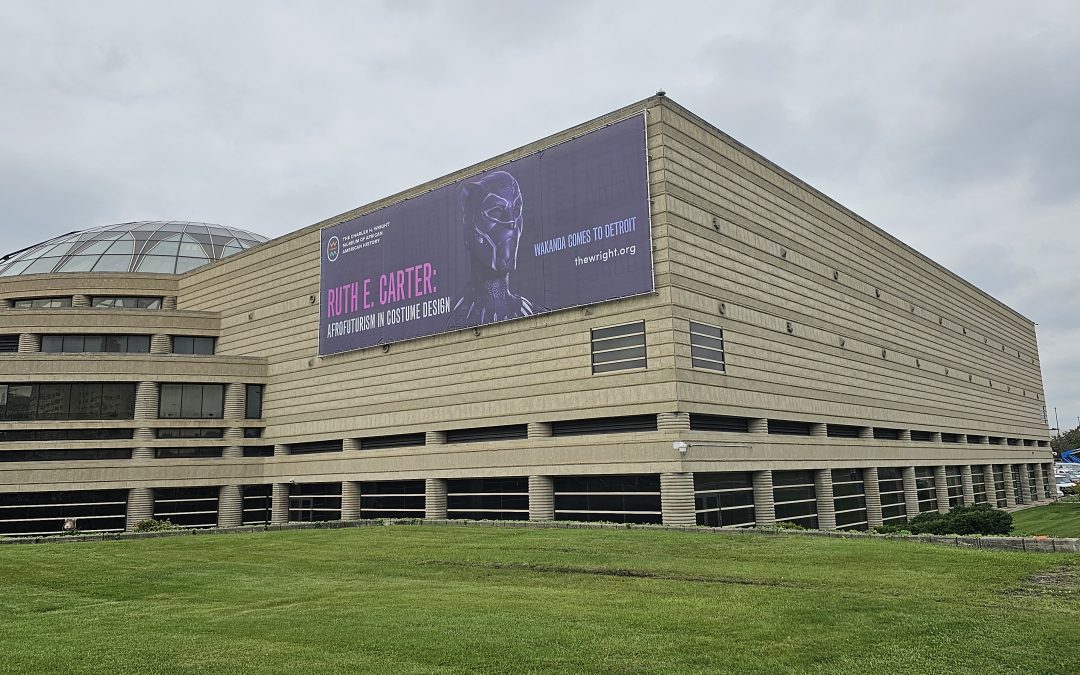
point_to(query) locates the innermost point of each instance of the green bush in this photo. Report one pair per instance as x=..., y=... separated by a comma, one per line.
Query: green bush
x=151, y=525
x=1069, y=491
x=891, y=529
x=977, y=519
x=788, y=525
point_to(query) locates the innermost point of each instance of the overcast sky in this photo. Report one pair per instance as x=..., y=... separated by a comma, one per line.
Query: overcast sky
x=953, y=125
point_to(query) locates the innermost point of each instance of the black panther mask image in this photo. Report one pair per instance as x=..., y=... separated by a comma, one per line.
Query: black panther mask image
x=491, y=221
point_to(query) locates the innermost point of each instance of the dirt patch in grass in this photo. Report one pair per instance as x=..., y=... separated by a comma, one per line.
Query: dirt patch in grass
x=613, y=572
x=1059, y=582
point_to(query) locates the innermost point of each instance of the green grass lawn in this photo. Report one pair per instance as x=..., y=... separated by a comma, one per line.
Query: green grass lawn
x=440, y=599
x=1057, y=520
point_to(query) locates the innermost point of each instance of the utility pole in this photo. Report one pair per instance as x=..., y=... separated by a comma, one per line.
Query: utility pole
x=1057, y=422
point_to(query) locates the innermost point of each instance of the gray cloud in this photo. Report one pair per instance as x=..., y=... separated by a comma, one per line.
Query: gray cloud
x=951, y=124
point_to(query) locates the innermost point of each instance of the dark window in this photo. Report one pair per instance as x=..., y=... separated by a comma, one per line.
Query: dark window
x=65, y=434
x=42, y=513
x=187, y=453
x=9, y=343
x=502, y=433
x=188, y=344
x=702, y=422
x=619, y=499
x=257, y=503
x=314, y=502
x=187, y=507
x=315, y=447
x=191, y=401
x=38, y=303
x=893, y=502
x=253, y=432
x=972, y=438
x=604, y=425
x=724, y=499
x=1013, y=441
x=842, y=431
x=950, y=438
x=999, y=486
x=258, y=451
x=979, y=484
x=886, y=434
x=795, y=497
x=849, y=500
x=488, y=498
x=64, y=455
x=392, y=499
x=253, y=401
x=926, y=486
x=205, y=432
x=125, y=301
x=789, y=428
x=393, y=441
x=67, y=401
x=618, y=347
x=995, y=440
x=706, y=346
x=924, y=436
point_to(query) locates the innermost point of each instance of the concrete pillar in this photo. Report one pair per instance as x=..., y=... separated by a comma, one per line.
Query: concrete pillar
x=911, y=493
x=142, y=453
x=758, y=426
x=435, y=498
x=819, y=430
x=1040, y=486
x=140, y=506
x=230, y=506
x=350, y=444
x=905, y=434
x=233, y=410
x=279, y=504
x=866, y=432
x=764, y=506
x=29, y=343
x=677, y=498
x=872, y=494
x=146, y=401
x=539, y=429
x=233, y=452
x=168, y=302
x=541, y=498
x=969, y=486
x=1010, y=489
x=1025, y=483
x=941, y=485
x=991, y=485
x=961, y=438
x=80, y=300
x=7, y=303
x=1048, y=470
x=935, y=436
x=160, y=344
x=350, y=500
x=985, y=440
x=826, y=507
x=280, y=450
x=435, y=438
x=673, y=421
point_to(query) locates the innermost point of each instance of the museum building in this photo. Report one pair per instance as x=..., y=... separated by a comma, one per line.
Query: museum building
x=634, y=320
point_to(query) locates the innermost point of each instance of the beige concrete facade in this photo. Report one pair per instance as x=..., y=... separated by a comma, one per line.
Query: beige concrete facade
x=827, y=321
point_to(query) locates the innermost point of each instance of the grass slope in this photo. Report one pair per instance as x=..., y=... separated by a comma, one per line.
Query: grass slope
x=439, y=599
x=1057, y=520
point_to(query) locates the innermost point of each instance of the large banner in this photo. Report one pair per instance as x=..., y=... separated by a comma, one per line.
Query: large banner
x=563, y=227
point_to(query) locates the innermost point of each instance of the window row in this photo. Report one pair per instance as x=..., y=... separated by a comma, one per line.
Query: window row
x=119, y=343
x=67, y=401
x=124, y=301
x=624, y=347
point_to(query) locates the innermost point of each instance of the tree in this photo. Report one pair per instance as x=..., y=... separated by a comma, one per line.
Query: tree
x=1070, y=440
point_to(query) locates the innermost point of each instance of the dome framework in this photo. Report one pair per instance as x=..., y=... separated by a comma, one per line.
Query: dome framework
x=160, y=247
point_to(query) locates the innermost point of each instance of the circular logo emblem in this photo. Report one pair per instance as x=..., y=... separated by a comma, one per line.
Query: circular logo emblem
x=333, y=247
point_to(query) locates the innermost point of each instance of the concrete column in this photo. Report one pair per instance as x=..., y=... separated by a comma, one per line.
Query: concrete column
x=1040, y=486
x=935, y=436
x=764, y=506
x=541, y=498
x=961, y=438
x=911, y=493
x=866, y=432
x=279, y=503
x=7, y=303
x=985, y=440
x=1025, y=483
x=991, y=486
x=1048, y=470
x=677, y=498
x=826, y=507
x=969, y=486
x=758, y=426
x=29, y=343
x=818, y=430
x=941, y=485
x=280, y=450
x=1010, y=489
x=673, y=421
x=435, y=498
x=146, y=401
x=435, y=438
x=142, y=453
x=905, y=434
x=168, y=302
x=872, y=494
x=350, y=500
x=350, y=444
x=233, y=452
x=539, y=429
x=140, y=506
x=160, y=344
x=230, y=506
x=80, y=300
x=233, y=410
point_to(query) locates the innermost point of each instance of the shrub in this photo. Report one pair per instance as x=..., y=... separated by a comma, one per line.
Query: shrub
x=788, y=525
x=151, y=525
x=977, y=519
x=891, y=529
x=1069, y=491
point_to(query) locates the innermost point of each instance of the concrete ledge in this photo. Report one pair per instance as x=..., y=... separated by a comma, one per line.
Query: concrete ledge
x=1021, y=544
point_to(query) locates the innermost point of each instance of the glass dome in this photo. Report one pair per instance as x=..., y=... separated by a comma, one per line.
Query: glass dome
x=162, y=247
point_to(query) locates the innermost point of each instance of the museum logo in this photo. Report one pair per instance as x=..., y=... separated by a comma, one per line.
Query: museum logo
x=333, y=247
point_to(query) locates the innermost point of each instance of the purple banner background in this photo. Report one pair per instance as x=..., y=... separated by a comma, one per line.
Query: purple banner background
x=563, y=227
